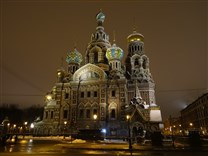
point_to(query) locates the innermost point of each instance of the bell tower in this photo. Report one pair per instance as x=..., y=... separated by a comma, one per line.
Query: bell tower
x=96, y=49
x=137, y=67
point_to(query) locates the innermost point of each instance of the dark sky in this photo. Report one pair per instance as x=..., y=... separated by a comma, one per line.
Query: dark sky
x=36, y=34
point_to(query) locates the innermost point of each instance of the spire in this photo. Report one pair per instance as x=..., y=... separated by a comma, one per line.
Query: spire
x=114, y=37
x=137, y=92
x=134, y=25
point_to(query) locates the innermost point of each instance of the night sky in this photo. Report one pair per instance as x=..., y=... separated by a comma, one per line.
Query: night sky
x=35, y=35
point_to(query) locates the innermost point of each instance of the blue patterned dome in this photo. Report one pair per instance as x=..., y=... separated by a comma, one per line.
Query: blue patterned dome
x=74, y=57
x=114, y=52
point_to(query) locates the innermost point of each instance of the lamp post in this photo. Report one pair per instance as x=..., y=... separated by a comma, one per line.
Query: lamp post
x=24, y=129
x=8, y=128
x=31, y=128
x=65, y=122
x=129, y=131
x=95, y=117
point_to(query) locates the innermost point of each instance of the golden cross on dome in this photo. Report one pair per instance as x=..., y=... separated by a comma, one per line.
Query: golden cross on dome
x=114, y=36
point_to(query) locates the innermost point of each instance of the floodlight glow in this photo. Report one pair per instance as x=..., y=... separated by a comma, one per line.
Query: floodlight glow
x=103, y=130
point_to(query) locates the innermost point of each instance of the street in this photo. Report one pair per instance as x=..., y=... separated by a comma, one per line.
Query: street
x=57, y=147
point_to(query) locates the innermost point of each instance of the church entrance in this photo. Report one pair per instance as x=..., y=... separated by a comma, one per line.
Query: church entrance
x=138, y=132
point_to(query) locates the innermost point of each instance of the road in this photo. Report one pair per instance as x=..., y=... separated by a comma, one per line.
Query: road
x=59, y=148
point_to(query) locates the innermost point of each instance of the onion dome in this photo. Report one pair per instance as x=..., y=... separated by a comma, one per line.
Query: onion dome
x=114, y=52
x=135, y=37
x=74, y=57
x=100, y=17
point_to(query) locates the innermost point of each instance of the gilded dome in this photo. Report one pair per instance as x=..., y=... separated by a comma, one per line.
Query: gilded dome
x=135, y=37
x=74, y=57
x=114, y=52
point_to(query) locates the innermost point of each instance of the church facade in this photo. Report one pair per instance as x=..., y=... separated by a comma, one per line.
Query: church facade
x=101, y=93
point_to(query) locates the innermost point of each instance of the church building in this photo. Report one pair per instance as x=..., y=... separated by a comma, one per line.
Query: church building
x=104, y=93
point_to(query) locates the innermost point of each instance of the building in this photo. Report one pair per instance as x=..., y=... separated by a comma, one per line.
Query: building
x=195, y=115
x=102, y=92
x=173, y=126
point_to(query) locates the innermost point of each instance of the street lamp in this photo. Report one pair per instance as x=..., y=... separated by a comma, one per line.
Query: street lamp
x=65, y=122
x=24, y=129
x=129, y=130
x=95, y=117
x=8, y=128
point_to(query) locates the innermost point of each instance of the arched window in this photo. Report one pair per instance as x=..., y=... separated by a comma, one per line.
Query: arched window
x=46, y=115
x=88, y=113
x=81, y=113
x=65, y=114
x=132, y=49
x=51, y=114
x=144, y=63
x=113, y=93
x=113, y=113
x=94, y=111
x=95, y=57
x=136, y=62
x=66, y=95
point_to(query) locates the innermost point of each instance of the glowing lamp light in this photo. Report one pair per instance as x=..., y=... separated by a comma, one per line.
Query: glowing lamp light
x=128, y=117
x=32, y=125
x=94, y=116
x=65, y=122
x=59, y=73
x=25, y=123
x=48, y=97
x=103, y=131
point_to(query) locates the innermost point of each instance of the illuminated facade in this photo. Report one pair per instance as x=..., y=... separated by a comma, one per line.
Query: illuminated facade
x=195, y=115
x=100, y=93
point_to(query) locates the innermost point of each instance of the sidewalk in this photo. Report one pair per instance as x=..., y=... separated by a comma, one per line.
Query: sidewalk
x=114, y=145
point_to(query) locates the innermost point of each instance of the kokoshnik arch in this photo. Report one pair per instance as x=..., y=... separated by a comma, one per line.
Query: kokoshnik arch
x=104, y=87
